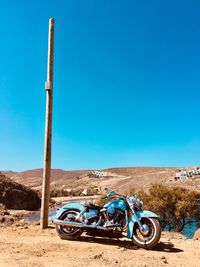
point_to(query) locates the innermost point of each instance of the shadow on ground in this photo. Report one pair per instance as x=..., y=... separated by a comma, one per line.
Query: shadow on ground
x=163, y=247
x=167, y=247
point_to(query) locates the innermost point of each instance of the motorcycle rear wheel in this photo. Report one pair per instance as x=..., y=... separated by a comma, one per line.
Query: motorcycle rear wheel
x=65, y=232
x=151, y=238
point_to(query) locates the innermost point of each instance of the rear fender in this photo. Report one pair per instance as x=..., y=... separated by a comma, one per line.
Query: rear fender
x=67, y=206
x=140, y=214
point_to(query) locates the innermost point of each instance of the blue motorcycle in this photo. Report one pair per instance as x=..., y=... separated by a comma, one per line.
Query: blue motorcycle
x=122, y=214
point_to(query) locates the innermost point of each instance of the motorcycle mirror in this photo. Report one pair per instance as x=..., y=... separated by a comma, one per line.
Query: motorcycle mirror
x=106, y=189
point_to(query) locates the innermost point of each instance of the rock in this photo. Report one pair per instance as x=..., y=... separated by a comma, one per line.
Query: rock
x=8, y=219
x=2, y=219
x=164, y=260
x=3, y=210
x=37, y=223
x=197, y=234
x=98, y=256
x=16, y=196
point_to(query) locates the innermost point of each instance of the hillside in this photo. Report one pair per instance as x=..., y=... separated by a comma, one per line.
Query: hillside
x=8, y=173
x=33, y=178
x=117, y=178
x=17, y=196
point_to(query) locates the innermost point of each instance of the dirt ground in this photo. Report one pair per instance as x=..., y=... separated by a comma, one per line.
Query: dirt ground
x=23, y=245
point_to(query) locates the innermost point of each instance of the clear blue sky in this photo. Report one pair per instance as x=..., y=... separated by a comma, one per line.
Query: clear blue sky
x=126, y=85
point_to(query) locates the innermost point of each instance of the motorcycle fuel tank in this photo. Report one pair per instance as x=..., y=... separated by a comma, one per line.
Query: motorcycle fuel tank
x=117, y=204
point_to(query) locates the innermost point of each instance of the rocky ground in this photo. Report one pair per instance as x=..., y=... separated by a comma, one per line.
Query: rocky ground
x=24, y=244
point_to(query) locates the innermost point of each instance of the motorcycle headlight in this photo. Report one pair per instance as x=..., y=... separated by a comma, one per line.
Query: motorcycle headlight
x=136, y=201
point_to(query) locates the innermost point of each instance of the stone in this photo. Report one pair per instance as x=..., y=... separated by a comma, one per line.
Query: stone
x=17, y=196
x=164, y=260
x=98, y=256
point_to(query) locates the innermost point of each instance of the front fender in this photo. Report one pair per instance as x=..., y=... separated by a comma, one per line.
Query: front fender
x=67, y=206
x=140, y=214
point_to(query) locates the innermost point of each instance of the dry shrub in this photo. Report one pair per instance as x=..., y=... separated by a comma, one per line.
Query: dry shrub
x=176, y=206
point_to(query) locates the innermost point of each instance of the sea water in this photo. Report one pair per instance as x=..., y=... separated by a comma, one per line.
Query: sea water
x=189, y=230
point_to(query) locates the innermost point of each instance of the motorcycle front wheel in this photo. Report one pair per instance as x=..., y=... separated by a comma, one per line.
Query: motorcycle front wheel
x=65, y=232
x=148, y=238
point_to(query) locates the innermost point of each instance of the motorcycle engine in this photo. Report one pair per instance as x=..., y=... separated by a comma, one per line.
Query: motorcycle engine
x=115, y=216
x=110, y=211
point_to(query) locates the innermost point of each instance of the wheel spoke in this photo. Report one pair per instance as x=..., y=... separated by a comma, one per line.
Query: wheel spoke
x=68, y=217
x=150, y=238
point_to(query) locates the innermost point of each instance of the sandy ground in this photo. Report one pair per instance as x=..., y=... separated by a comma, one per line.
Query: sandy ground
x=26, y=245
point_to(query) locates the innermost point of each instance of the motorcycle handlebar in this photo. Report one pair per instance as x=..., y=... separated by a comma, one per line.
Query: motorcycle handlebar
x=110, y=195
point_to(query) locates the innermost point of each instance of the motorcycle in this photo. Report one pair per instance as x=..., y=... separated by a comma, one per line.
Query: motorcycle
x=122, y=213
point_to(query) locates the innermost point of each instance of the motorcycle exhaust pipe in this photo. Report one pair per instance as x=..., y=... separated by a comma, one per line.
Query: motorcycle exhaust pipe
x=76, y=224
x=82, y=225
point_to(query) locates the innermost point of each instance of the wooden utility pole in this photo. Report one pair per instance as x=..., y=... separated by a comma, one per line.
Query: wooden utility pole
x=48, y=130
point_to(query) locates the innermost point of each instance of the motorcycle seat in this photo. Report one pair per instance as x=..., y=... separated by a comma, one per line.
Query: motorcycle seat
x=92, y=206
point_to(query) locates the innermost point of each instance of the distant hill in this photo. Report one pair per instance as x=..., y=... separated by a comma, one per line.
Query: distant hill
x=33, y=178
x=118, y=178
x=8, y=173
